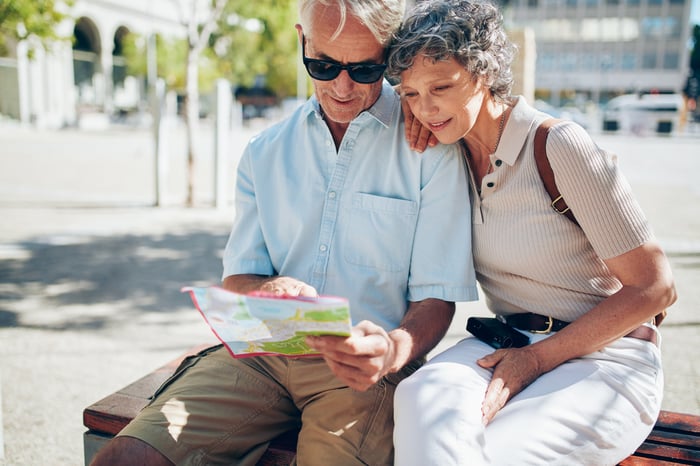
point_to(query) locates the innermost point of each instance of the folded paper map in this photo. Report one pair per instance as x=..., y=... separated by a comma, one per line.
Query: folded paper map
x=259, y=324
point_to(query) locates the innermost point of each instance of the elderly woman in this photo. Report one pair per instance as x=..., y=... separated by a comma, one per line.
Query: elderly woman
x=588, y=387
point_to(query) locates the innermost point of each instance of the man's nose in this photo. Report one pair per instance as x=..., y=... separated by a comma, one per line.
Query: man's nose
x=343, y=84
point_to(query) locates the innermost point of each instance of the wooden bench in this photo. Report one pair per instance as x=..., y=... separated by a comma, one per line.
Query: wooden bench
x=675, y=438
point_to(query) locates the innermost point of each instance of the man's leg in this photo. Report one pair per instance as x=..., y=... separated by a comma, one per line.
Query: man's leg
x=341, y=425
x=129, y=450
x=215, y=410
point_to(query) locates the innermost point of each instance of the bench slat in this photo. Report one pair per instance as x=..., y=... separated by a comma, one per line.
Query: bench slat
x=667, y=454
x=675, y=439
x=680, y=422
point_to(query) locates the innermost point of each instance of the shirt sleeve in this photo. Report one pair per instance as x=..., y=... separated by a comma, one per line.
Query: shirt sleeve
x=245, y=250
x=590, y=180
x=442, y=265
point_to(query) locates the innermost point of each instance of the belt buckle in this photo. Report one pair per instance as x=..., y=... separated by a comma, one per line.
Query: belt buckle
x=550, y=324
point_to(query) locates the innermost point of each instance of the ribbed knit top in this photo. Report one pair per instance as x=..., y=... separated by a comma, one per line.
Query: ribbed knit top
x=528, y=258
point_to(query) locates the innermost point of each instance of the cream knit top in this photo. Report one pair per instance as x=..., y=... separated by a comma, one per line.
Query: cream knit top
x=528, y=258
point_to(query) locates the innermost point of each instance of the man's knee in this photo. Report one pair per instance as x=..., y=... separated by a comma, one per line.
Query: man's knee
x=129, y=451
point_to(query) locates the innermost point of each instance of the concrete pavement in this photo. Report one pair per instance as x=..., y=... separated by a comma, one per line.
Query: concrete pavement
x=90, y=273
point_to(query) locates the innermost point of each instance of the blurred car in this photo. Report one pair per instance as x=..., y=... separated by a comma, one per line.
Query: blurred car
x=256, y=101
x=643, y=114
x=567, y=112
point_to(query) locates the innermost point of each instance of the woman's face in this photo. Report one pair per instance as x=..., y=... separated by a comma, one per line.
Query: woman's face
x=443, y=96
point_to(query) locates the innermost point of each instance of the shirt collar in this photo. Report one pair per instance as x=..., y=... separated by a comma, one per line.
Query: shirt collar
x=384, y=110
x=516, y=131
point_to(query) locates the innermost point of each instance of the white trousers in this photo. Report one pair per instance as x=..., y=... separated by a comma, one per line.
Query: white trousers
x=594, y=410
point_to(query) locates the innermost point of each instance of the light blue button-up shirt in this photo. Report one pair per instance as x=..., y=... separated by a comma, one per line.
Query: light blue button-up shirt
x=373, y=221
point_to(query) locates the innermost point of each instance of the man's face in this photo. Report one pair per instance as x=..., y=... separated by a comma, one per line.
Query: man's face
x=342, y=99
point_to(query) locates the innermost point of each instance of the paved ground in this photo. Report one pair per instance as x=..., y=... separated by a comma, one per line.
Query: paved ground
x=90, y=272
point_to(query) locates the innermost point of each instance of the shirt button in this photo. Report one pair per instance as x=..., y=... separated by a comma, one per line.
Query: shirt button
x=328, y=143
x=499, y=162
x=331, y=194
x=489, y=185
x=323, y=248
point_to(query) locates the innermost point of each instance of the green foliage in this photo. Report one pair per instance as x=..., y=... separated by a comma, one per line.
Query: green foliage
x=242, y=54
x=171, y=60
x=21, y=19
x=271, y=53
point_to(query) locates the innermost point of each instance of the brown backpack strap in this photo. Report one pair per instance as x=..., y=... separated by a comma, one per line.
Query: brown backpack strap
x=545, y=169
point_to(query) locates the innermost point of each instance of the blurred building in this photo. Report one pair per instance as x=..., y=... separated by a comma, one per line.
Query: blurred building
x=592, y=50
x=84, y=78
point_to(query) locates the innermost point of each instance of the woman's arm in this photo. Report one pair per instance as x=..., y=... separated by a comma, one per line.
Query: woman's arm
x=647, y=289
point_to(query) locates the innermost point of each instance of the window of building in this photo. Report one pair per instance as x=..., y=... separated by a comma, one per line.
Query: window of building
x=649, y=61
x=608, y=29
x=629, y=61
x=589, y=61
x=671, y=61
x=657, y=27
x=567, y=62
x=546, y=61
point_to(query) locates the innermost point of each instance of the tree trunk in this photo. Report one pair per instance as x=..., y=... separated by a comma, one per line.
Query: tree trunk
x=191, y=119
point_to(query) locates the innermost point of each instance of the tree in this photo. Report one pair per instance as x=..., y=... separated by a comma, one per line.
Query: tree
x=271, y=51
x=22, y=19
x=200, y=21
x=233, y=39
x=695, y=53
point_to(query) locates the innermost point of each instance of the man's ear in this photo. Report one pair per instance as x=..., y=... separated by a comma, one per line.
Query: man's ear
x=300, y=32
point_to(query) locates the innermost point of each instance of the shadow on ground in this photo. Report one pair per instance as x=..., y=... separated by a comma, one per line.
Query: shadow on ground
x=73, y=283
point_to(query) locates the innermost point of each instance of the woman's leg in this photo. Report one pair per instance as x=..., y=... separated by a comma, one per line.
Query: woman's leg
x=592, y=410
x=437, y=410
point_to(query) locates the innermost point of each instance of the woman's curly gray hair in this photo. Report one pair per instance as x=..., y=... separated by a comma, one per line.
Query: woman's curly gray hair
x=470, y=31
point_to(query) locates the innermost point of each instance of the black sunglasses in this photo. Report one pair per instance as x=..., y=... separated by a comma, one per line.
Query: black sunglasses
x=326, y=70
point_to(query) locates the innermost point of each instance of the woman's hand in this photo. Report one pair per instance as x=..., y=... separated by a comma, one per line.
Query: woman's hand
x=513, y=370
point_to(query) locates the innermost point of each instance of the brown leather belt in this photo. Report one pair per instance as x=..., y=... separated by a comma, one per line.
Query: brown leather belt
x=537, y=323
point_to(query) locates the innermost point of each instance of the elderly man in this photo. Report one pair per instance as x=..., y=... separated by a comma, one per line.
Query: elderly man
x=330, y=201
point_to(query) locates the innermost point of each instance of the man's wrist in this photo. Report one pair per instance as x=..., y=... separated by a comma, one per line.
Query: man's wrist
x=402, y=343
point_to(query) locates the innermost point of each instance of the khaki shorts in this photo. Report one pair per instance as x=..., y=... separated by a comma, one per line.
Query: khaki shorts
x=217, y=409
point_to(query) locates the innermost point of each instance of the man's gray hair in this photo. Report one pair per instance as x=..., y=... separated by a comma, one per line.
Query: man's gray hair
x=381, y=17
x=470, y=31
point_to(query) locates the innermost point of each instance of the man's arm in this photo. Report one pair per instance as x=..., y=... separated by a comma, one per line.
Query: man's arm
x=370, y=353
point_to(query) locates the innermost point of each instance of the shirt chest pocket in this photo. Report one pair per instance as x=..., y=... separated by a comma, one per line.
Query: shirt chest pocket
x=379, y=232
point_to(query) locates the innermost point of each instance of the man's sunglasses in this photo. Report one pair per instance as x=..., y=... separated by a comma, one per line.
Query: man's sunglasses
x=326, y=70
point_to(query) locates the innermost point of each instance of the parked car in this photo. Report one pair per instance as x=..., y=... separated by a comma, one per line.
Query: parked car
x=643, y=114
x=256, y=101
x=565, y=113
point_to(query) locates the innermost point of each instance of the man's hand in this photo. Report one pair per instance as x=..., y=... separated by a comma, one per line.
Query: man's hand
x=513, y=370
x=359, y=360
x=287, y=286
x=276, y=285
